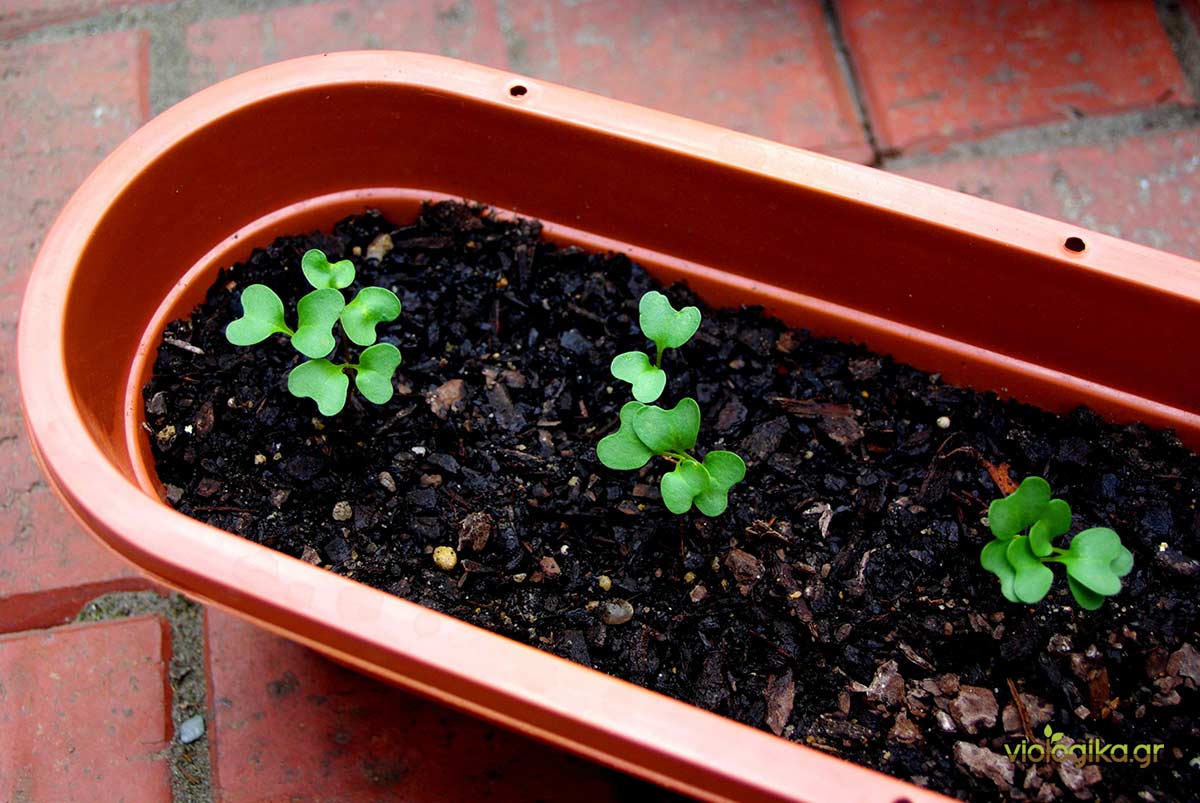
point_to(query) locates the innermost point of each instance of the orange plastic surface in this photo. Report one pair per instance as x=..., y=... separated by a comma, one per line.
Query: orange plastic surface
x=987, y=295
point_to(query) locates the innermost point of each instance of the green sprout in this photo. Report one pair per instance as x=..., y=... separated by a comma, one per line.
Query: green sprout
x=648, y=431
x=669, y=329
x=1024, y=524
x=317, y=378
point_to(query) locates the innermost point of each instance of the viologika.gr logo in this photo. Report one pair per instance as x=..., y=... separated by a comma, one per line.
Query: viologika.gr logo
x=1091, y=751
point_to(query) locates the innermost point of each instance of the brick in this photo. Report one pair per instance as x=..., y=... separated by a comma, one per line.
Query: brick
x=221, y=48
x=22, y=16
x=942, y=70
x=85, y=713
x=289, y=722
x=1143, y=189
x=65, y=106
x=766, y=68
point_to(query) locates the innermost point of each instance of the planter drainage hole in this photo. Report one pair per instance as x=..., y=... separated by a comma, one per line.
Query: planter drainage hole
x=1075, y=245
x=519, y=90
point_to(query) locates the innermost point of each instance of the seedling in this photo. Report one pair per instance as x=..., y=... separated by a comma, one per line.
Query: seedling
x=325, y=382
x=648, y=431
x=1025, y=523
x=669, y=329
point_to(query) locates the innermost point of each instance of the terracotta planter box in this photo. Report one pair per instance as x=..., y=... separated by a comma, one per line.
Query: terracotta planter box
x=989, y=296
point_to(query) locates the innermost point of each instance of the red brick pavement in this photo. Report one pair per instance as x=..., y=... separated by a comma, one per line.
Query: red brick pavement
x=66, y=104
x=85, y=713
x=936, y=71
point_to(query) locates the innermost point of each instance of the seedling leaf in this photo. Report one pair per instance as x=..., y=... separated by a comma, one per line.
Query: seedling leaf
x=994, y=558
x=634, y=367
x=664, y=431
x=321, y=381
x=1097, y=560
x=373, y=374
x=646, y=430
x=1019, y=510
x=687, y=482
x=372, y=306
x=262, y=316
x=1088, y=600
x=318, y=312
x=662, y=323
x=1055, y=521
x=1122, y=564
x=1033, y=580
x=323, y=274
x=725, y=469
x=622, y=450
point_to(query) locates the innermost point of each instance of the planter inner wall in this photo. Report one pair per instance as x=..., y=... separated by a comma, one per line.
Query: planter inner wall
x=846, y=262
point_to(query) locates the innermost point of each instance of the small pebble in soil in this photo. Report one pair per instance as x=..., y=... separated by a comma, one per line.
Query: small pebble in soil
x=617, y=612
x=445, y=557
x=380, y=247
x=605, y=582
x=342, y=511
x=191, y=729
x=943, y=422
x=387, y=481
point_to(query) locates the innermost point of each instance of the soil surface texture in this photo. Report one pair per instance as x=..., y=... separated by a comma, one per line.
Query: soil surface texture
x=838, y=603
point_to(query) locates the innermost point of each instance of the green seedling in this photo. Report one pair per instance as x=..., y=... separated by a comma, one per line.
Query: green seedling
x=1025, y=523
x=317, y=313
x=669, y=329
x=326, y=383
x=648, y=431
x=323, y=274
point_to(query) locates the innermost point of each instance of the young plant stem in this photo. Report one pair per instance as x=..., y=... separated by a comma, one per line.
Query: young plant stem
x=679, y=457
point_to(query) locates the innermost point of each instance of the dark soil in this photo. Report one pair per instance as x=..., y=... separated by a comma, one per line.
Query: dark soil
x=839, y=602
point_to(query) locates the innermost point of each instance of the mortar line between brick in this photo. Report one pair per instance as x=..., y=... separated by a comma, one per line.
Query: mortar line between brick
x=170, y=62
x=1185, y=41
x=190, y=764
x=845, y=61
x=1110, y=129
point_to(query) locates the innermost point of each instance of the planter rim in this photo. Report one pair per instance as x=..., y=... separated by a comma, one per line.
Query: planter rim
x=580, y=709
